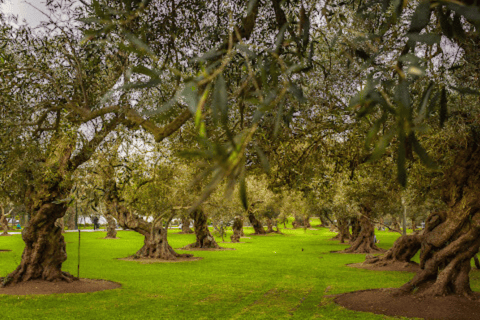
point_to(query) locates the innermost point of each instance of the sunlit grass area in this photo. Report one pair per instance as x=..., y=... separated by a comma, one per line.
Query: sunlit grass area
x=293, y=275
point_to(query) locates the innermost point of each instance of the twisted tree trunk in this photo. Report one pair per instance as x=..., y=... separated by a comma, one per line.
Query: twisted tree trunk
x=364, y=243
x=403, y=250
x=356, y=228
x=204, y=238
x=71, y=220
x=257, y=225
x=300, y=222
x=155, y=243
x=324, y=222
x=395, y=226
x=111, y=227
x=343, y=230
x=270, y=224
x=237, y=229
x=414, y=225
x=61, y=224
x=452, y=238
x=4, y=222
x=186, y=225
x=45, y=248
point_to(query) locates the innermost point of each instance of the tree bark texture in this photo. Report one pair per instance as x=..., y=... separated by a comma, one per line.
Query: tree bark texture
x=61, y=224
x=45, y=248
x=71, y=220
x=155, y=243
x=257, y=225
x=111, y=227
x=356, y=228
x=300, y=222
x=204, y=238
x=270, y=224
x=364, y=243
x=343, y=230
x=403, y=250
x=186, y=225
x=452, y=238
x=237, y=229
x=4, y=222
x=395, y=226
x=324, y=222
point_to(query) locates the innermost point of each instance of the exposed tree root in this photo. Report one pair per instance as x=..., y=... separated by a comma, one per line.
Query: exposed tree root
x=364, y=243
x=403, y=250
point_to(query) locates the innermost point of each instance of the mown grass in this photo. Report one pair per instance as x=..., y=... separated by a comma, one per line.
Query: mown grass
x=268, y=277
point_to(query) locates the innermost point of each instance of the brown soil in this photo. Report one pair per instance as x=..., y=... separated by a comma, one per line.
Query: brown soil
x=206, y=249
x=343, y=252
x=382, y=301
x=152, y=260
x=394, y=266
x=233, y=242
x=47, y=287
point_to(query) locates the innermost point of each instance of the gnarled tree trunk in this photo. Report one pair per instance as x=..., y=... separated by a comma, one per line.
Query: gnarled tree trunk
x=300, y=222
x=356, y=228
x=111, y=227
x=186, y=225
x=257, y=225
x=4, y=222
x=324, y=222
x=343, y=231
x=452, y=238
x=414, y=225
x=237, y=229
x=45, y=248
x=402, y=251
x=395, y=226
x=61, y=224
x=204, y=238
x=71, y=220
x=364, y=243
x=270, y=224
x=155, y=243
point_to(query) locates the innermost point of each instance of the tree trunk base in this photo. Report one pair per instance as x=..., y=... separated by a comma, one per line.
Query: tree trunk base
x=204, y=239
x=403, y=250
x=364, y=242
x=237, y=229
x=111, y=227
x=45, y=249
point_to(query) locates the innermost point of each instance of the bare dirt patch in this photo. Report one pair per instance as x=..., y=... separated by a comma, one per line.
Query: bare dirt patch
x=343, y=252
x=382, y=301
x=47, y=287
x=206, y=249
x=394, y=266
x=151, y=260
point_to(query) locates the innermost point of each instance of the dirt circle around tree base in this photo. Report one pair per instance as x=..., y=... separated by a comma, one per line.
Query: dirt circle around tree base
x=394, y=266
x=153, y=260
x=343, y=252
x=382, y=301
x=205, y=249
x=34, y=287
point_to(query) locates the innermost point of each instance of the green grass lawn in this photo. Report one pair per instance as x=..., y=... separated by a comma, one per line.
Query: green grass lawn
x=267, y=277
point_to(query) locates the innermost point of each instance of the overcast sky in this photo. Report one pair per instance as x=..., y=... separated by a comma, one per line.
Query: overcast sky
x=24, y=11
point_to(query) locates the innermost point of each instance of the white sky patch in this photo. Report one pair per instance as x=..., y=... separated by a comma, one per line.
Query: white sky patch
x=24, y=11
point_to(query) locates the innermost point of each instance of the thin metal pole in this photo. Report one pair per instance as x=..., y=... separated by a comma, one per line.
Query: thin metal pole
x=78, y=266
